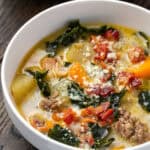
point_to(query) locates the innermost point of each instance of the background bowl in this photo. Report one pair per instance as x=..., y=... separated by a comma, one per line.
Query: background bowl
x=48, y=21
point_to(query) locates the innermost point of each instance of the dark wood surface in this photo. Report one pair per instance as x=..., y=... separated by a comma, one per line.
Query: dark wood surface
x=13, y=14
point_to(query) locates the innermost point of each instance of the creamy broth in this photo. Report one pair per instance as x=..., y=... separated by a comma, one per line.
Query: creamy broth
x=94, y=67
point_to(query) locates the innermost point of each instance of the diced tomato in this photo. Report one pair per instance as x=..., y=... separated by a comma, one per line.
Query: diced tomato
x=112, y=35
x=94, y=90
x=123, y=77
x=110, y=120
x=99, y=110
x=134, y=82
x=103, y=123
x=90, y=140
x=136, y=55
x=106, y=122
x=101, y=47
x=100, y=56
x=104, y=116
x=69, y=116
x=101, y=51
x=102, y=91
x=102, y=113
x=103, y=107
x=106, y=77
x=112, y=57
x=106, y=91
x=129, y=79
x=69, y=119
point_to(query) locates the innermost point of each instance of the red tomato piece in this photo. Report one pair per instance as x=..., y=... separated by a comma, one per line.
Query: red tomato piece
x=101, y=51
x=136, y=55
x=103, y=107
x=129, y=79
x=102, y=91
x=90, y=140
x=112, y=35
x=106, y=91
x=104, y=116
x=69, y=116
x=134, y=82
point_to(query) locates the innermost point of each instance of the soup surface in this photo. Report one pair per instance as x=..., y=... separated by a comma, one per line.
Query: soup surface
x=88, y=86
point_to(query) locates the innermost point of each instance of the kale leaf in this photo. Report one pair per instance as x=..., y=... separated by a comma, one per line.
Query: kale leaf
x=73, y=32
x=41, y=82
x=144, y=100
x=67, y=64
x=78, y=97
x=100, y=135
x=115, y=98
x=103, y=143
x=112, y=78
x=63, y=135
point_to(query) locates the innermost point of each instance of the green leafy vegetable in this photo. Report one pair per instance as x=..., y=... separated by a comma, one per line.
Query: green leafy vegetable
x=115, y=98
x=66, y=64
x=112, y=78
x=51, y=48
x=78, y=97
x=98, y=132
x=41, y=82
x=73, y=32
x=63, y=135
x=103, y=143
x=100, y=135
x=100, y=30
x=144, y=100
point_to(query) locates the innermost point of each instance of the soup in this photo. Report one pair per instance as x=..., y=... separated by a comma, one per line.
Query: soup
x=87, y=86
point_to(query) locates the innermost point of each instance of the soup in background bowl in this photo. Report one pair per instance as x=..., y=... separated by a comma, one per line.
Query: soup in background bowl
x=86, y=84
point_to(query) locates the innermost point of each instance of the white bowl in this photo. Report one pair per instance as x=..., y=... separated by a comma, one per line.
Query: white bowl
x=50, y=20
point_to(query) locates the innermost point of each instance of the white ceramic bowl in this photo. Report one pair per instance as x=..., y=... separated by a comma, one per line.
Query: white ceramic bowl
x=48, y=21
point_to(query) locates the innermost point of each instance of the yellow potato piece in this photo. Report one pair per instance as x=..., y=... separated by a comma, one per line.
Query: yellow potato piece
x=21, y=86
x=79, y=52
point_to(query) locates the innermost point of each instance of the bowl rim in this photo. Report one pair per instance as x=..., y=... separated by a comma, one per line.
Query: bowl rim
x=7, y=98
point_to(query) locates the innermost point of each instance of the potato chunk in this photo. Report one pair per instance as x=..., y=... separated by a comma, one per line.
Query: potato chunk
x=21, y=86
x=79, y=52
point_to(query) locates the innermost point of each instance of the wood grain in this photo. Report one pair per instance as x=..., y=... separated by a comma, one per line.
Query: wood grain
x=13, y=14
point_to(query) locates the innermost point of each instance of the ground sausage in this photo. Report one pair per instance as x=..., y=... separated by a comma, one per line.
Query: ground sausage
x=131, y=128
x=50, y=104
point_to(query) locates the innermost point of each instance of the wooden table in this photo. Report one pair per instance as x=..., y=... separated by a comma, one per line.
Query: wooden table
x=13, y=14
